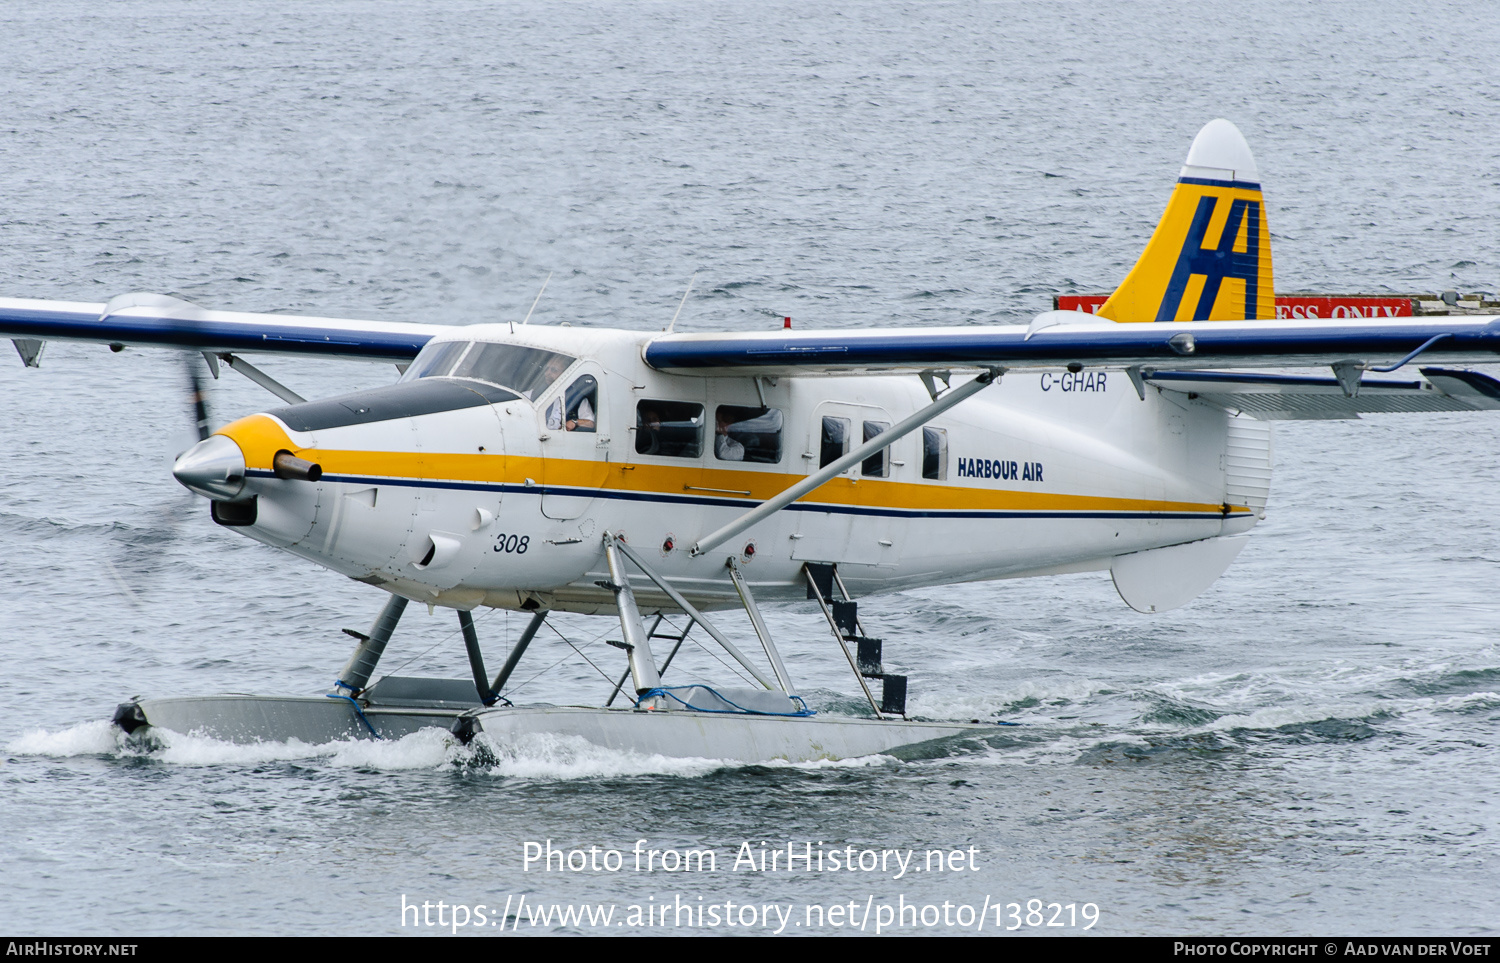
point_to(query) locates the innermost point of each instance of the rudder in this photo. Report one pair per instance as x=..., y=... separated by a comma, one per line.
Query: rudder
x=1210, y=256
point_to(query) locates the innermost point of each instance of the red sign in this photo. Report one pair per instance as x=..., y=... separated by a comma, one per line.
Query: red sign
x=1341, y=306
x=1087, y=303
x=1320, y=306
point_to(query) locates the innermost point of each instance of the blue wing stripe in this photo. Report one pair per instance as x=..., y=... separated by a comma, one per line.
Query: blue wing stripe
x=1176, y=345
x=67, y=321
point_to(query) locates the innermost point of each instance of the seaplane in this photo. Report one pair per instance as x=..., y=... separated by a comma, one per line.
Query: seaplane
x=642, y=475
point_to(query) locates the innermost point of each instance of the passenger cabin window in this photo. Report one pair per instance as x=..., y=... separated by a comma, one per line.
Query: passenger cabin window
x=577, y=409
x=935, y=453
x=877, y=465
x=747, y=434
x=835, y=441
x=673, y=429
x=527, y=371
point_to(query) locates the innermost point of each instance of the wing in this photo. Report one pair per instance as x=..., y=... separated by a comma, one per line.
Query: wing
x=1068, y=338
x=157, y=320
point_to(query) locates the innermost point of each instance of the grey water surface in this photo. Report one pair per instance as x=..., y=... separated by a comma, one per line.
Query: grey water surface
x=1309, y=748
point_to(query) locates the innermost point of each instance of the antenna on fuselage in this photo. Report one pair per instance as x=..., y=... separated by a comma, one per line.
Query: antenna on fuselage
x=536, y=302
x=668, y=328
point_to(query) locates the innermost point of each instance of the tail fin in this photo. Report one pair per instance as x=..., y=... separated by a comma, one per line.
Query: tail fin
x=1210, y=258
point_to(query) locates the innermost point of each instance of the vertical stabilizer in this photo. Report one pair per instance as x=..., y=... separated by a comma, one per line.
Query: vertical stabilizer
x=1210, y=258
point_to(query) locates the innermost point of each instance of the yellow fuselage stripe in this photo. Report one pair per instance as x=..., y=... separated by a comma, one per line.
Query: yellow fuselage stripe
x=260, y=438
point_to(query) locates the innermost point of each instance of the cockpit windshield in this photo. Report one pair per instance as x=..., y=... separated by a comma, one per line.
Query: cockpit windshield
x=435, y=359
x=527, y=371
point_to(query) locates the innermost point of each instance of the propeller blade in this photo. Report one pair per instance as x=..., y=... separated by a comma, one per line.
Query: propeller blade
x=199, y=396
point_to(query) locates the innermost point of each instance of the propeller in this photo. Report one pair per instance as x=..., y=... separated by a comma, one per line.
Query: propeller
x=198, y=396
x=143, y=543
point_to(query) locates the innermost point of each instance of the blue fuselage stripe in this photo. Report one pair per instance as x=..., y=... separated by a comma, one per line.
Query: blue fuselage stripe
x=739, y=503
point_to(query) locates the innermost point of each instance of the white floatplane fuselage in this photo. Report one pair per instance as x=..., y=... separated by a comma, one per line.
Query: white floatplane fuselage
x=496, y=505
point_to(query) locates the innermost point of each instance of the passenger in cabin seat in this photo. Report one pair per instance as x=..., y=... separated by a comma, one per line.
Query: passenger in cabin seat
x=724, y=446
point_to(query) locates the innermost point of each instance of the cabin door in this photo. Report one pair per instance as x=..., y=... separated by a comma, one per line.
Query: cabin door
x=836, y=534
x=575, y=442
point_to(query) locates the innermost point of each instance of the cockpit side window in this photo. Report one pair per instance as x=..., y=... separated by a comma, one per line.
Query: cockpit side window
x=577, y=409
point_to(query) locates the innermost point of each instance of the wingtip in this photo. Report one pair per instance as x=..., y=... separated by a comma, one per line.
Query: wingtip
x=1220, y=152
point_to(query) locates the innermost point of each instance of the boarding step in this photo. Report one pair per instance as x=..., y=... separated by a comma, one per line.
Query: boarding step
x=892, y=686
x=843, y=617
x=846, y=619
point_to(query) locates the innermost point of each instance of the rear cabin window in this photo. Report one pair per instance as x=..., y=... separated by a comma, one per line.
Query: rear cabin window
x=747, y=434
x=835, y=441
x=877, y=465
x=935, y=453
x=672, y=429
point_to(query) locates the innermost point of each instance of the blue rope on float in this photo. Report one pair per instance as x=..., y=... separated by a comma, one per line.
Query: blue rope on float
x=341, y=684
x=668, y=692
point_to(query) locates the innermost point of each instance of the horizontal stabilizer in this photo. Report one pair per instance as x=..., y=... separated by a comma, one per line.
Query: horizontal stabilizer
x=1283, y=397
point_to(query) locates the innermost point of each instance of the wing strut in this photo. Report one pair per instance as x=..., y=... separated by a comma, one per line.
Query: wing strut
x=259, y=377
x=833, y=469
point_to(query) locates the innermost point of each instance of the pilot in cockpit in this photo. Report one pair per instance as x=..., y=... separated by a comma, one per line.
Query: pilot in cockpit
x=575, y=410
